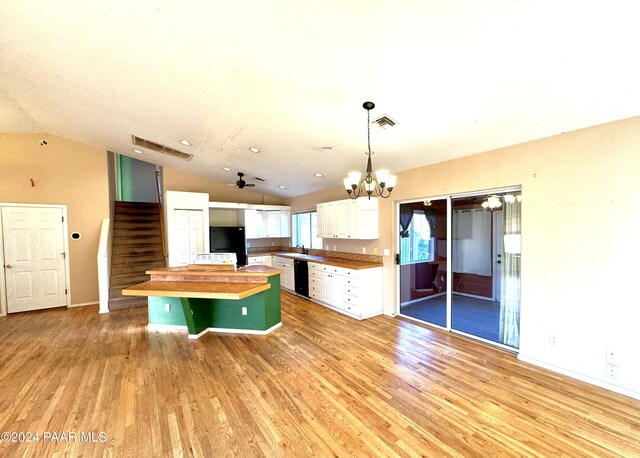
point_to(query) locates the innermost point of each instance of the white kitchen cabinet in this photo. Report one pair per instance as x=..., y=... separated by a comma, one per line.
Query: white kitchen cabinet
x=259, y=261
x=287, y=278
x=339, y=288
x=348, y=218
x=254, y=223
x=285, y=223
x=267, y=223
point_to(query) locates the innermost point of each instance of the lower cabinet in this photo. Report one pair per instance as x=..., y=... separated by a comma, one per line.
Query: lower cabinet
x=339, y=288
x=287, y=279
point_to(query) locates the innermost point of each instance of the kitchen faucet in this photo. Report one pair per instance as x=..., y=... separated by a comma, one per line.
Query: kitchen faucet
x=302, y=249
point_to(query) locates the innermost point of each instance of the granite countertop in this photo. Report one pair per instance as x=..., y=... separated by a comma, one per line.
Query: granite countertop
x=339, y=262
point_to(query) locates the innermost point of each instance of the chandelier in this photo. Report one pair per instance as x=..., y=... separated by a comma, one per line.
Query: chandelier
x=494, y=202
x=378, y=184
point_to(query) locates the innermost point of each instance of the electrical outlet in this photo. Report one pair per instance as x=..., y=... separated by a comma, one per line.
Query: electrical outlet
x=167, y=307
x=375, y=250
x=386, y=252
x=244, y=311
x=610, y=354
x=364, y=250
x=326, y=247
x=611, y=370
x=334, y=248
x=553, y=339
x=273, y=243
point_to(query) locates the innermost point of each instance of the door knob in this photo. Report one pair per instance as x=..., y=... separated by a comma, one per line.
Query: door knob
x=9, y=266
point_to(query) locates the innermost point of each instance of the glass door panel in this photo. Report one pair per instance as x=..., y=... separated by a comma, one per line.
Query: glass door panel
x=485, y=268
x=423, y=261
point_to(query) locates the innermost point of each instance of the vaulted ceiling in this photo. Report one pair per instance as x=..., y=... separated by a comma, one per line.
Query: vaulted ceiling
x=290, y=77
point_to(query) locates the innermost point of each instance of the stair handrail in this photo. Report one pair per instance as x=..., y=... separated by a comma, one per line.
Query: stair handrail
x=104, y=265
x=162, y=235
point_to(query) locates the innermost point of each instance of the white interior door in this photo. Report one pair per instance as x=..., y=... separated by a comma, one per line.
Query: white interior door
x=189, y=236
x=34, y=258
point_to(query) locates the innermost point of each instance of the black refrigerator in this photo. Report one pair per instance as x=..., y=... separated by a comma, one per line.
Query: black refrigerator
x=229, y=240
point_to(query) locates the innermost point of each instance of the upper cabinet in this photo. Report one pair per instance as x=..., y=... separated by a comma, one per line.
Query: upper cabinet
x=348, y=219
x=267, y=223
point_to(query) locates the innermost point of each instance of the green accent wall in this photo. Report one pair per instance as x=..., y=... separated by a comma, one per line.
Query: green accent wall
x=263, y=311
x=159, y=315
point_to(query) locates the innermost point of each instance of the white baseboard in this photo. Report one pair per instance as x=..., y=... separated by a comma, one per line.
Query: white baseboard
x=83, y=304
x=197, y=336
x=582, y=378
x=166, y=327
x=177, y=327
x=246, y=331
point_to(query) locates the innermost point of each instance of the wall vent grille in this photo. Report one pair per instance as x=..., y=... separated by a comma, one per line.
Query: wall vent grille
x=157, y=147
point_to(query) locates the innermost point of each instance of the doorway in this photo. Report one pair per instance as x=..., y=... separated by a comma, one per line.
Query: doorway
x=35, y=265
x=471, y=279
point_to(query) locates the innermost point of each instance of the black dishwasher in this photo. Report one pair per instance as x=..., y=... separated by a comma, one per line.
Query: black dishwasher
x=301, y=277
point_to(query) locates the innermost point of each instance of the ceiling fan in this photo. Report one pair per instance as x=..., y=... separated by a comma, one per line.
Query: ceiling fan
x=240, y=183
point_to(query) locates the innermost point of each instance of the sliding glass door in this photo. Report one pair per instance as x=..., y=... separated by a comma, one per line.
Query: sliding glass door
x=423, y=261
x=482, y=297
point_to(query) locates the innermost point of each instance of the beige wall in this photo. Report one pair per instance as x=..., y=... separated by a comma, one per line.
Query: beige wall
x=581, y=220
x=64, y=172
x=176, y=180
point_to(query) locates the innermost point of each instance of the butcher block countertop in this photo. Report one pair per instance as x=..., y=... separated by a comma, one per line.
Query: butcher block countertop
x=194, y=289
x=339, y=262
x=205, y=281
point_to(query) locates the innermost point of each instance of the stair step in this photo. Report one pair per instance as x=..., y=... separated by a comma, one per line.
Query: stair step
x=124, y=203
x=137, y=225
x=135, y=269
x=138, y=250
x=136, y=218
x=126, y=241
x=124, y=280
x=137, y=232
x=126, y=302
x=124, y=261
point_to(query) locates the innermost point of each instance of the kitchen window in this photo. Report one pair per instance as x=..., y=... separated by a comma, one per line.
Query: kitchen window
x=304, y=230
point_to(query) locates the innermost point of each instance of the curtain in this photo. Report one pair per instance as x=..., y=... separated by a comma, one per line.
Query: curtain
x=406, y=214
x=431, y=219
x=510, y=280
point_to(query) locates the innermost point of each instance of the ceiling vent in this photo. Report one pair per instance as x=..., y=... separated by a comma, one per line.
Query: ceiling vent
x=385, y=122
x=157, y=147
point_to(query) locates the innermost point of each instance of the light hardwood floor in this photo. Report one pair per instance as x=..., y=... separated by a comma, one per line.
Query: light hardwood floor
x=321, y=385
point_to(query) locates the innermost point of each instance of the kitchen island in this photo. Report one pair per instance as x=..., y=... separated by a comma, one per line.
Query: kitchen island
x=212, y=298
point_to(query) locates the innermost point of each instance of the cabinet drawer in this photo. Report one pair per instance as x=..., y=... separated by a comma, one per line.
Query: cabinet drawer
x=314, y=274
x=314, y=280
x=315, y=295
x=316, y=288
x=354, y=300
x=350, y=282
x=350, y=273
x=332, y=269
x=350, y=290
x=315, y=266
x=352, y=308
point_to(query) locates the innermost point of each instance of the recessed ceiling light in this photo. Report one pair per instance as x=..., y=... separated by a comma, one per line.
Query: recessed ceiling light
x=185, y=142
x=227, y=169
x=253, y=149
x=137, y=151
x=282, y=187
x=319, y=175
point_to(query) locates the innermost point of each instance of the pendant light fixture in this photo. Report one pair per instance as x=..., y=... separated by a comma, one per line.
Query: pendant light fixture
x=378, y=184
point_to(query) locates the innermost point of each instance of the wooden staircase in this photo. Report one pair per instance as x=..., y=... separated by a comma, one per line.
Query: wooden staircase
x=137, y=247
